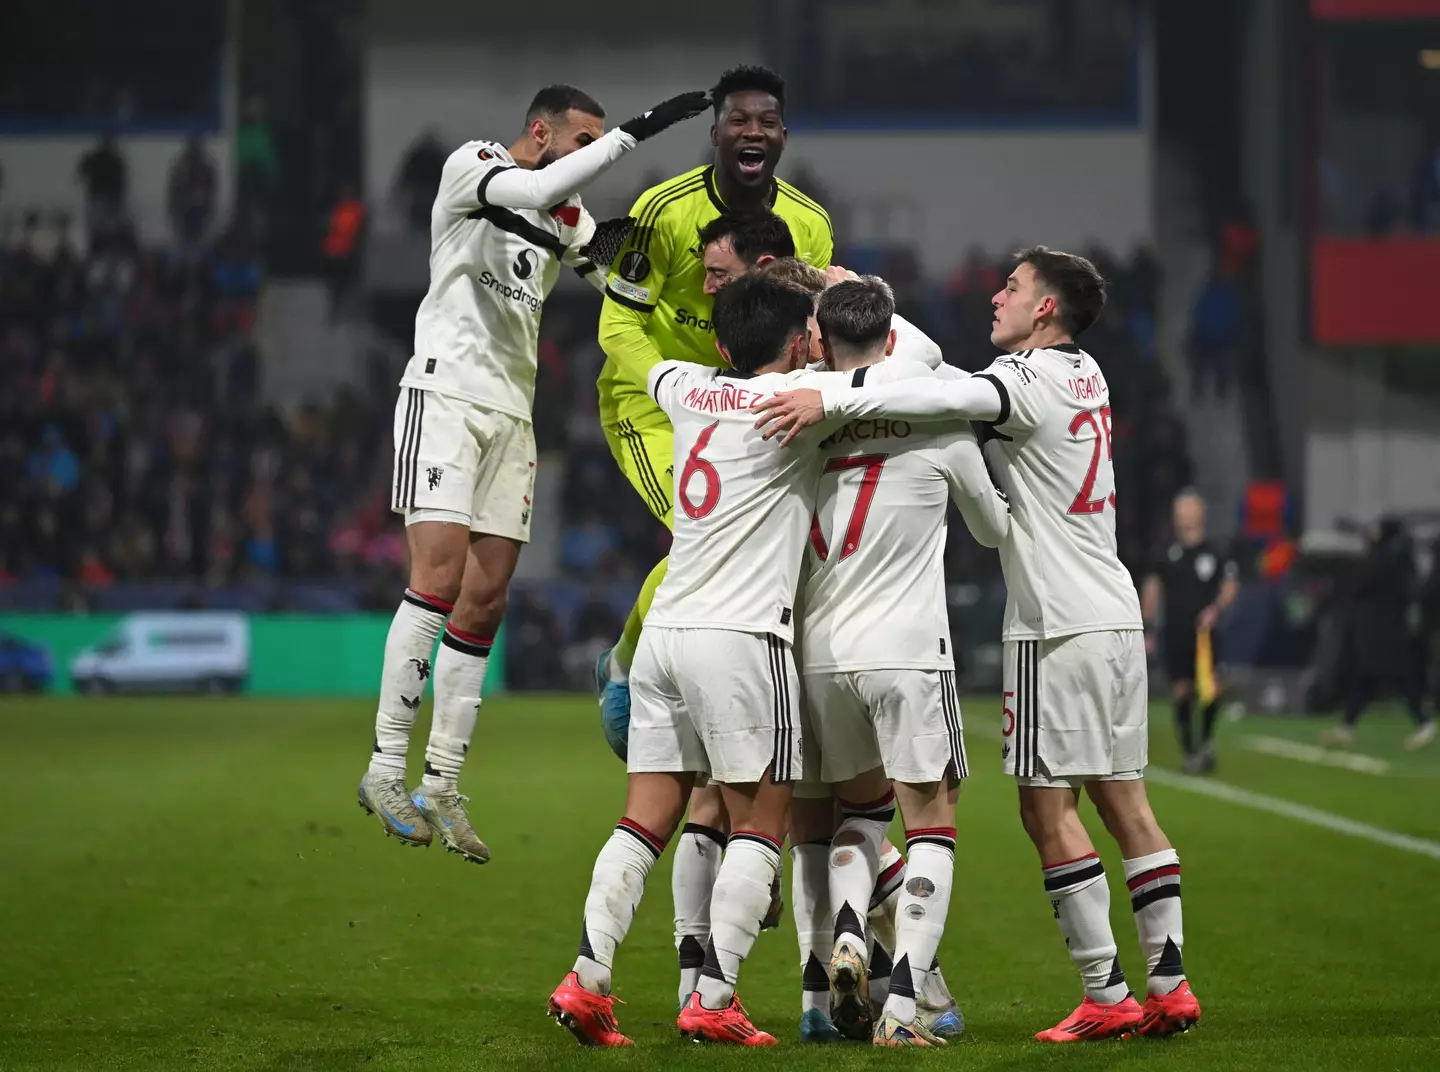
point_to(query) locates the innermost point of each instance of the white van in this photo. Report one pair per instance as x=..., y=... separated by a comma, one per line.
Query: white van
x=172, y=652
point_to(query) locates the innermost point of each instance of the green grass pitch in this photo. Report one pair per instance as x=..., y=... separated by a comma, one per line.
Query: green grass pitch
x=189, y=884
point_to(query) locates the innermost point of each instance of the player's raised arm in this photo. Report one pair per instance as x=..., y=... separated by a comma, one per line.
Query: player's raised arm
x=789, y=412
x=561, y=152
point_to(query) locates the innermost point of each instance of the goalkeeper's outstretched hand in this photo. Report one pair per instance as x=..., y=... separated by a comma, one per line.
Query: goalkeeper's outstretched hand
x=666, y=114
x=609, y=237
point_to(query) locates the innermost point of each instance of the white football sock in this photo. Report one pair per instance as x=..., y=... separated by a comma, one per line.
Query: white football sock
x=810, y=902
x=1154, y=883
x=692, y=881
x=742, y=897
x=409, y=646
x=1081, y=899
x=886, y=896
x=920, y=918
x=616, y=886
x=855, y=863
x=459, y=677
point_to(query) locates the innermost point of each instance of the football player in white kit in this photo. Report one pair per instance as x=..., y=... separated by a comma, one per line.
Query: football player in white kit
x=714, y=689
x=1075, y=712
x=875, y=652
x=503, y=223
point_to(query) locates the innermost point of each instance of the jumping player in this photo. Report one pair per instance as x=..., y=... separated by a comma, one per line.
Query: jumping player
x=504, y=221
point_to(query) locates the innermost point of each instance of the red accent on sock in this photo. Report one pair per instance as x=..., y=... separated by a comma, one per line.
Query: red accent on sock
x=931, y=831
x=435, y=601
x=756, y=835
x=658, y=844
x=870, y=805
x=469, y=638
x=1152, y=875
x=888, y=875
x=1062, y=863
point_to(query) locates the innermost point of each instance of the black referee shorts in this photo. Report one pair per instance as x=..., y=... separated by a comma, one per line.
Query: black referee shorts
x=1180, y=655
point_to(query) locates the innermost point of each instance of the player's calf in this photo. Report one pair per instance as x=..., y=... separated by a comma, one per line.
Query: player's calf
x=920, y=920
x=1075, y=883
x=654, y=806
x=695, y=866
x=812, y=824
x=1152, y=874
x=742, y=889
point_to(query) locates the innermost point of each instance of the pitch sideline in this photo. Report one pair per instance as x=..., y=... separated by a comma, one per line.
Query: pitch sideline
x=1277, y=806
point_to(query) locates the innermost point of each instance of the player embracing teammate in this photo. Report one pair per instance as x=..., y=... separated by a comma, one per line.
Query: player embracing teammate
x=1075, y=713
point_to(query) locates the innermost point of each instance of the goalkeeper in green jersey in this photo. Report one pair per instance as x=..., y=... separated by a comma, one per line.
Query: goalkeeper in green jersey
x=656, y=306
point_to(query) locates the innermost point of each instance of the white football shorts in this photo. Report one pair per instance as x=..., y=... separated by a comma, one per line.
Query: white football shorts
x=460, y=462
x=906, y=721
x=714, y=701
x=1076, y=709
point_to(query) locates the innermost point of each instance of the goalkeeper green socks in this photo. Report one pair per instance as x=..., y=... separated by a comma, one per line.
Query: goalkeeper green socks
x=624, y=653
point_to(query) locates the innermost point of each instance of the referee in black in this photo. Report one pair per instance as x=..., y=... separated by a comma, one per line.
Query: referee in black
x=1195, y=580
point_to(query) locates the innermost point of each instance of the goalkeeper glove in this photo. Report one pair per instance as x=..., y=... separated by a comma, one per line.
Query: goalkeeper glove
x=666, y=114
x=609, y=237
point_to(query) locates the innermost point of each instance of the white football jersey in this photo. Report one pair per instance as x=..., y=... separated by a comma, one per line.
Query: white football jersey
x=874, y=589
x=1053, y=462
x=742, y=504
x=491, y=269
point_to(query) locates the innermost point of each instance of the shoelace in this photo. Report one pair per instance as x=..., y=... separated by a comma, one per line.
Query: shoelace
x=396, y=797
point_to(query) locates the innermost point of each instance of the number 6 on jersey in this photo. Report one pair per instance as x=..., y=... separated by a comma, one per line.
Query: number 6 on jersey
x=696, y=465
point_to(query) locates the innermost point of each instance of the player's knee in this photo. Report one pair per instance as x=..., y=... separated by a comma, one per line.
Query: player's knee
x=437, y=559
x=707, y=808
x=1033, y=819
x=480, y=606
x=811, y=819
x=924, y=804
x=437, y=579
x=1125, y=812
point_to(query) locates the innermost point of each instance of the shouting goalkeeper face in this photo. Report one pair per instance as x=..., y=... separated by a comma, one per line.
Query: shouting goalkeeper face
x=749, y=131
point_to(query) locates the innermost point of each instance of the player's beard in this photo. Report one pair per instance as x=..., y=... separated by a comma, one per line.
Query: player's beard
x=548, y=157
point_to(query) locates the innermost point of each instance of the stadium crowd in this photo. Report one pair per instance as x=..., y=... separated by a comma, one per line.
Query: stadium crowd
x=136, y=442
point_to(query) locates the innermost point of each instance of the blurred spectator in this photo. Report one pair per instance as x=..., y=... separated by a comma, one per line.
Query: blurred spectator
x=1380, y=648
x=257, y=166
x=1430, y=625
x=342, y=244
x=588, y=545
x=1215, y=336
x=419, y=178
x=190, y=198
x=535, y=645
x=106, y=178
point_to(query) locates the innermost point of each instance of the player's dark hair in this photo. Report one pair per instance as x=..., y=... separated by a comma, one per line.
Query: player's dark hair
x=755, y=319
x=554, y=101
x=1076, y=282
x=752, y=235
x=857, y=312
x=748, y=76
